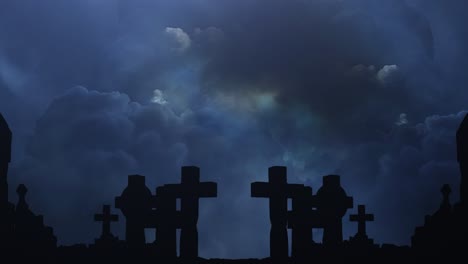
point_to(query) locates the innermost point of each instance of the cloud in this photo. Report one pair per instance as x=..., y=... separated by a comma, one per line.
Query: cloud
x=84, y=146
x=387, y=73
x=180, y=39
x=87, y=142
x=13, y=78
x=402, y=120
x=210, y=34
x=158, y=97
x=400, y=177
x=255, y=91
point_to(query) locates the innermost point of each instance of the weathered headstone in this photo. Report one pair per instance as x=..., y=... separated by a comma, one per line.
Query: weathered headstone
x=135, y=204
x=6, y=208
x=462, y=157
x=30, y=231
x=332, y=206
x=5, y=158
x=301, y=220
x=166, y=219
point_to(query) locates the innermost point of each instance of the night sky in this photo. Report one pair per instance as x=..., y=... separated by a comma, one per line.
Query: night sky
x=95, y=90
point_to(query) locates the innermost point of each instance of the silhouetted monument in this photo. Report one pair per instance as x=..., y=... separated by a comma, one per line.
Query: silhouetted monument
x=460, y=210
x=190, y=190
x=301, y=220
x=277, y=190
x=437, y=231
x=332, y=206
x=446, y=230
x=5, y=158
x=6, y=208
x=135, y=204
x=166, y=219
x=462, y=157
x=30, y=231
x=19, y=227
x=21, y=231
x=361, y=218
x=106, y=239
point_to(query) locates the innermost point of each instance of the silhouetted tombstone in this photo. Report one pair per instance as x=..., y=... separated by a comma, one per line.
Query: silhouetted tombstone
x=439, y=229
x=5, y=158
x=106, y=218
x=23, y=227
x=189, y=191
x=277, y=190
x=166, y=219
x=332, y=205
x=6, y=208
x=462, y=157
x=361, y=218
x=301, y=220
x=446, y=230
x=135, y=204
x=30, y=231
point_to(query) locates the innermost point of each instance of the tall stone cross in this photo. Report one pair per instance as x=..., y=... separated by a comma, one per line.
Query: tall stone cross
x=190, y=190
x=106, y=218
x=301, y=220
x=361, y=218
x=135, y=204
x=277, y=190
x=166, y=219
x=332, y=206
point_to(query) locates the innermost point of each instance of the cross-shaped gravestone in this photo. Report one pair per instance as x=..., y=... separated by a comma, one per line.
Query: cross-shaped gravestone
x=361, y=218
x=135, y=204
x=332, y=204
x=277, y=190
x=189, y=191
x=301, y=219
x=166, y=219
x=106, y=218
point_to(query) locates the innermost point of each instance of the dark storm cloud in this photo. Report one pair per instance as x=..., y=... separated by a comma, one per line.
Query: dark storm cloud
x=348, y=87
x=404, y=174
x=87, y=142
x=307, y=53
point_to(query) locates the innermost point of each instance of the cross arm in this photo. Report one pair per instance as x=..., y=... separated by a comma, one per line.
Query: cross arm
x=297, y=191
x=203, y=189
x=207, y=189
x=260, y=189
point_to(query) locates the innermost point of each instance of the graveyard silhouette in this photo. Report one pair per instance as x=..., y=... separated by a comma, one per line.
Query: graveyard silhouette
x=25, y=238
